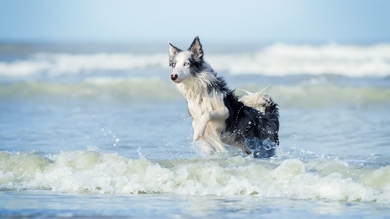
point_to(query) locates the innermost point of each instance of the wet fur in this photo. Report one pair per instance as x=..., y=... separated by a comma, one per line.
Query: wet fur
x=220, y=118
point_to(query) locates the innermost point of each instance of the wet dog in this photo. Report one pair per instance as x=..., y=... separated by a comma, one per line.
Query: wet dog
x=221, y=119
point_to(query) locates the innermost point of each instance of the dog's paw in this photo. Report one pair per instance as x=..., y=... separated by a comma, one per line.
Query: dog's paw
x=200, y=128
x=197, y=135
x=199, y=132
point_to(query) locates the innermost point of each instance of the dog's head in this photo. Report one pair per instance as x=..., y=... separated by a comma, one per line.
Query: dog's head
x=186, y=63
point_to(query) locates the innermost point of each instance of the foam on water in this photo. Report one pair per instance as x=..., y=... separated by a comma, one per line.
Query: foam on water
x=284, y=59
x=274, y=60
x=62, y=63
x=91, y=171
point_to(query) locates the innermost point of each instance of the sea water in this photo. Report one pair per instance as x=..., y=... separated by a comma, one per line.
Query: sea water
x=100, y=131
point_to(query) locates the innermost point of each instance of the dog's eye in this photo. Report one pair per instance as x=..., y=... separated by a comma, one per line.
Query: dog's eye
x=186, y=63
x=173, y=65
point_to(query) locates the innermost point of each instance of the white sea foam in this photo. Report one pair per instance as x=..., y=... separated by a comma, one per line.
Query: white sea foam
x=94, y=172
x=60, y=63
x=276, y=60
x=282, y=60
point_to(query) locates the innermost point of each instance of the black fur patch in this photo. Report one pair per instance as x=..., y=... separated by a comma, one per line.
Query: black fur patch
x=196, y=67
x=219, y=85
x=246, y=124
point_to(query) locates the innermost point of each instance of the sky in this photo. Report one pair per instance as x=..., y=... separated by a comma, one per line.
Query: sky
x=316, y=21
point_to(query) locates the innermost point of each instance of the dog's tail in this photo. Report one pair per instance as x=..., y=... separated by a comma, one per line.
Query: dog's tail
x=259, y=101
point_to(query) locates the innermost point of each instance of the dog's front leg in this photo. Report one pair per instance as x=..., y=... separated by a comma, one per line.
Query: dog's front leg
x=220, y=114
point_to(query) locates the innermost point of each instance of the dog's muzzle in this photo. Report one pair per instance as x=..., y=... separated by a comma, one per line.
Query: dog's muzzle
x=174, y=77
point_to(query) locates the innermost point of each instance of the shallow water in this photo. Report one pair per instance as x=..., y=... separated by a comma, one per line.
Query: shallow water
x=106, y=134
x=37, y=203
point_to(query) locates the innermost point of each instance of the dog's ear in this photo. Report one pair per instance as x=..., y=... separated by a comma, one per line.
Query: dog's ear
x=196, y=49
x=173, y=50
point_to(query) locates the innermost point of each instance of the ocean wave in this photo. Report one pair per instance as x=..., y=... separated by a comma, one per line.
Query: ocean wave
x=283, y=60
x=273, y=60
x=92, y=171
x=98, y=88
x=59, y=63
x=311, y=94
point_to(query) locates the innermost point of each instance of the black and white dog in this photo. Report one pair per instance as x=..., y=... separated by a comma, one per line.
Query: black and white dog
x=220, y=119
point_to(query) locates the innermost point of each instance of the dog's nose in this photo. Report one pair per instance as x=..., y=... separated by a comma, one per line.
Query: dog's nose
x=173, y=77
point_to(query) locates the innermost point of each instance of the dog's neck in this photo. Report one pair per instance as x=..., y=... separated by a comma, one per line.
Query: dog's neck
x=196, y=88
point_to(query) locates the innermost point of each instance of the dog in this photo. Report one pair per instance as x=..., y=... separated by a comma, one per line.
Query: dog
x=221, y=119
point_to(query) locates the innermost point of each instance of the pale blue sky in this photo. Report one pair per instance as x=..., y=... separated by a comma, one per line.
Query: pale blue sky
x=263, y=21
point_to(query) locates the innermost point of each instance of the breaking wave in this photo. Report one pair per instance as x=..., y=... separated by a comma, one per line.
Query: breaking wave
x=92, y=171
x=283, y=60
x=151, y=89
x=274, y=60
x=119, y=89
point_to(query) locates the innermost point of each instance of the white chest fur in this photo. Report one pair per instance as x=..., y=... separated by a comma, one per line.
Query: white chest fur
x=207, y=110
